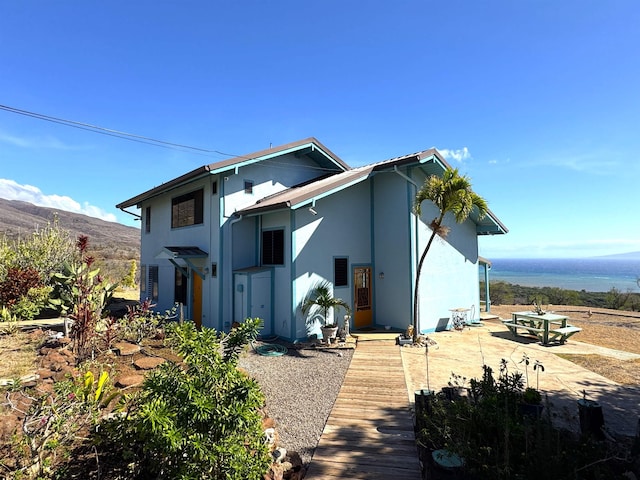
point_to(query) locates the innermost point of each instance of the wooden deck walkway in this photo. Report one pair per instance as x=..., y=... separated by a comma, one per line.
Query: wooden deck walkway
x=369, y=434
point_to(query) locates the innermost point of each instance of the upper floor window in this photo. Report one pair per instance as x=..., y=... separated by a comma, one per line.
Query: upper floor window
x=273, y=247
x=187, y=209
x=248, y=186
x=147, y=220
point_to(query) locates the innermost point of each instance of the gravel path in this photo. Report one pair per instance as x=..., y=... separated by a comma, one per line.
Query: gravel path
x=301, y=388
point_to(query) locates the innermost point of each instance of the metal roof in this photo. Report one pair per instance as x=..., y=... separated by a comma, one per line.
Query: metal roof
x=310, y=147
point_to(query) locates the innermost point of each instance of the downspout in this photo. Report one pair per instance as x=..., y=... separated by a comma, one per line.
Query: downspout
x=408, y=179
x=487, y=299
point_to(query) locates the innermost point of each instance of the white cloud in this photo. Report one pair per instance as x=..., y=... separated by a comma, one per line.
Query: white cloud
x=12, y=190
x=459, y=155
x=46, y=141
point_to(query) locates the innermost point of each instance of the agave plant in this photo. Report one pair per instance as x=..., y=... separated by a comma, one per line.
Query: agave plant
x=321, y=297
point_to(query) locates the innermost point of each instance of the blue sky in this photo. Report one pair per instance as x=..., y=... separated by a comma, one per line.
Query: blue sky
x=538, y=102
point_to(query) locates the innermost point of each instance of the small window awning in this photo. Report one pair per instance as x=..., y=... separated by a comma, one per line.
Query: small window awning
x=187, y=254
x=181, y=252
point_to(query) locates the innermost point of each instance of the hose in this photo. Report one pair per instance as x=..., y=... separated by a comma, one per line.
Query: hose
x=271, y=350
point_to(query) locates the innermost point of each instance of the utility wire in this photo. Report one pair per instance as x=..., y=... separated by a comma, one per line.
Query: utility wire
x=137, y=138
x=107, y=131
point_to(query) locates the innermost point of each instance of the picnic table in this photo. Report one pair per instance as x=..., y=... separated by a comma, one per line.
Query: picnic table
x=548, y=327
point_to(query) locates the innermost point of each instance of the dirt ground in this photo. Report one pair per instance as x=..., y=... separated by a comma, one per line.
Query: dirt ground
x=609, y=344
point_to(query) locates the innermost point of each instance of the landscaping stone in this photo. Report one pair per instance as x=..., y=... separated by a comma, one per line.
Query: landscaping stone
x=148, y=363
x=129, y=381
x=126, y=349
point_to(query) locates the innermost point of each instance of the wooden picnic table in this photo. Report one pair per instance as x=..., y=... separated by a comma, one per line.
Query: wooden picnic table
x=548, y=327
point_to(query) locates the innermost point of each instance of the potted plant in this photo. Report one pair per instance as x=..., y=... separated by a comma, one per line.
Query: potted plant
x=531, y=398
x=591, y=418
x=321, y=297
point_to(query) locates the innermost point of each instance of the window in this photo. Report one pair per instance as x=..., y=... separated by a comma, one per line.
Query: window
x=187, y=209
x=273, y=247
x=147, y=220
x=248, y=186
x=214, y=270
x=153, y=282
x=214, y=188
x=340, y=272
x=143, y=278
x=180, y=291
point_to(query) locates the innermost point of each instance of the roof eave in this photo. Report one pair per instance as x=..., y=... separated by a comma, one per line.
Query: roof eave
x=165, y=187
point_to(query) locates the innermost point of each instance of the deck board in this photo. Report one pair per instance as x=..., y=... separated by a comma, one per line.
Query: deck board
x=369, y=433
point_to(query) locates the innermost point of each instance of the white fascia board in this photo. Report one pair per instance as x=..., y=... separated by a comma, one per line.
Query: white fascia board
x=268, y=156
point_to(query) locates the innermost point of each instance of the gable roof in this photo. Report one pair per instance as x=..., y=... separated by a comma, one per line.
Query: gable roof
x=307, y=193
x=310, y=147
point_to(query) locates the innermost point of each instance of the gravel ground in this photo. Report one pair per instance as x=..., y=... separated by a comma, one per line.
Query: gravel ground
x=301, y=388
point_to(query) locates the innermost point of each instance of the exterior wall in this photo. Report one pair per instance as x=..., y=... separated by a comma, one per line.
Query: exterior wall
x=162, y=235
x=342, y=228
x=449, y=276
x=392, y=203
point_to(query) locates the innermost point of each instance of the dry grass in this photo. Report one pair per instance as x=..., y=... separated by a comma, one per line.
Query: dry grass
x=606, y=328
x=18, y=352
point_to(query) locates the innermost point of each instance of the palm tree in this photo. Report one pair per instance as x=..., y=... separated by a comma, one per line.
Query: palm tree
x=321, y=296
x=449, y=193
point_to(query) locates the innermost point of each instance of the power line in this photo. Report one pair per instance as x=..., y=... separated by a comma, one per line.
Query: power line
x=109, y=131
x=138, y=138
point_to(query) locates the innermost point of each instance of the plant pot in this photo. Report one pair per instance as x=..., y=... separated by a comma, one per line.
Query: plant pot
x=423, y=406
x=328, y=333
x=591, y=418
x=454, y=393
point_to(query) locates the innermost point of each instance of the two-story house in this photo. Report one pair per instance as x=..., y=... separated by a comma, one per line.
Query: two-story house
x=249, y=237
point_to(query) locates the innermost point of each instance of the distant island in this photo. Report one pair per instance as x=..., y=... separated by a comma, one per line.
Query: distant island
x=623, y=256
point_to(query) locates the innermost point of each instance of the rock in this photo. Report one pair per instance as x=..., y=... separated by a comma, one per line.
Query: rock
x=44, y=373
x=126, y=349
x=148, y=363
x=268, y=422
x=9, y=424
x=129, y=381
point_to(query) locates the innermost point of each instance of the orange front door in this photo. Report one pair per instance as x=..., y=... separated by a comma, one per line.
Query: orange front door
x=363, y=312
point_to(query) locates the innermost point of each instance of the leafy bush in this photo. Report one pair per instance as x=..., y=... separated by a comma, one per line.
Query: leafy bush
x=30, y=305
x=45, y=251
x=17, y=284
x=497, y=440
x=199, y=420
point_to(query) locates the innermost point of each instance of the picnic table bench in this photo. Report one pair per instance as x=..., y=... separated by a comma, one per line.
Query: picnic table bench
x=548, y=327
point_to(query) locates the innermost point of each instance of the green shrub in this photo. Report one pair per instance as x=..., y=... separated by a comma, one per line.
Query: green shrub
x=200, y=420
x=30, y=305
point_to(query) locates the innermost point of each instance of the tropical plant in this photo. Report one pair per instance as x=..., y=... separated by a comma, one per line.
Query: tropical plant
x=200, y=419
x=450, y=193
x=82, y=291
x=321, y=297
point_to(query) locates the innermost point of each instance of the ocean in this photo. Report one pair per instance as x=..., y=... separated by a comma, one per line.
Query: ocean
x=589, y=274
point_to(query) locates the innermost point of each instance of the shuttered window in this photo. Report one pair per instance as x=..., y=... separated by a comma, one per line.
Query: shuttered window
x=187, y=209
x=340, y=272
x=273, y=247
x=153, y=282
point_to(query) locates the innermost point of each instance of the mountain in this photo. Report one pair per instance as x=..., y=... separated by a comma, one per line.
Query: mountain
x=112, y=244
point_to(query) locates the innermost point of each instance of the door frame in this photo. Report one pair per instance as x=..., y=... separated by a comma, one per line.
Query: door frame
x=364, y=317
